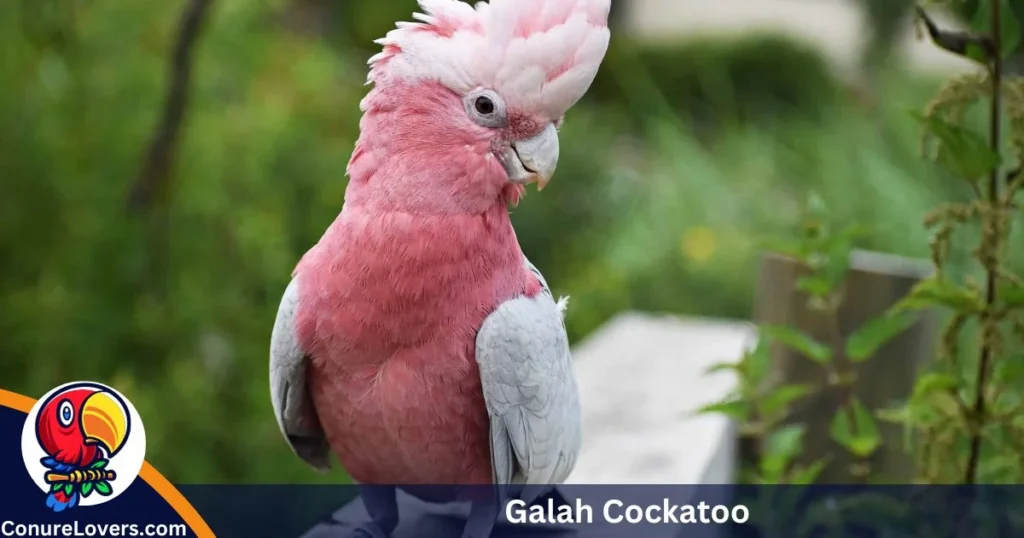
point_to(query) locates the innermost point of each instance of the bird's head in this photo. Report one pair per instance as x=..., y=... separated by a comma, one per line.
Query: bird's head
x=76, y=422
x=467, y=102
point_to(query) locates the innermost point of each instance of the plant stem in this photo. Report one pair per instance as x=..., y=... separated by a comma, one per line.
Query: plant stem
x=992, y=272
x=846, y=387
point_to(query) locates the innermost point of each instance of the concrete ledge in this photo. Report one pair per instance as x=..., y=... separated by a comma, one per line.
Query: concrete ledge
x=641, y=376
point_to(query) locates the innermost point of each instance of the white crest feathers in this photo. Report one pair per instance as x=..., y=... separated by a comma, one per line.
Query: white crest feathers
x=540, y=55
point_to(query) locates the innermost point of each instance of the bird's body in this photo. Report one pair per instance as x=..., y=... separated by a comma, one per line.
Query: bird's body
x=415, y=341
x=405, y=290
x=399, y=348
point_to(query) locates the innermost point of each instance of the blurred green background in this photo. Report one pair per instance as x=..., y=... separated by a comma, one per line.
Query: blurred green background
x=679, y=159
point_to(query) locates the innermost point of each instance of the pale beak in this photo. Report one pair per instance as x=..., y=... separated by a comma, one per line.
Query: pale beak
x=534, y=159
x=105, y=421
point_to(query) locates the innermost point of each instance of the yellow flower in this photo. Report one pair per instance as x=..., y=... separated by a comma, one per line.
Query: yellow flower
x=698, y=244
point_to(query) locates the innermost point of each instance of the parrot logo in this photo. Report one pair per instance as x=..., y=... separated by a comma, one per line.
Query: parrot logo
x=83, y=444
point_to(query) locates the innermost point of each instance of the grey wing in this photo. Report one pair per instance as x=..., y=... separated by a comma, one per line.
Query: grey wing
x=531, y=394
x=289, y=393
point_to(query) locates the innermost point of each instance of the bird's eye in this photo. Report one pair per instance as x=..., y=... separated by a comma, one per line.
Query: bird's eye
x=484, y=105
x=486, y=108
x=65, y=413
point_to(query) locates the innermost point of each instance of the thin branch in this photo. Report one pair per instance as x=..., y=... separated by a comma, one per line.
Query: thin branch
x=959, y=43
x=156, y=169
x=992, y=273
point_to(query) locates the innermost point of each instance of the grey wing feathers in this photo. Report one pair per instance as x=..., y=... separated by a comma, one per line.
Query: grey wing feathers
x=531, y=394
x=289, y=394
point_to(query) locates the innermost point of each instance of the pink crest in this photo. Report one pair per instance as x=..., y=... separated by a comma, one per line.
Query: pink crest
x=540, y=55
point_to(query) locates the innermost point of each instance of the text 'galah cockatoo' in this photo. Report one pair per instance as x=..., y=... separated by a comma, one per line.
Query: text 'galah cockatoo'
x=415, y=341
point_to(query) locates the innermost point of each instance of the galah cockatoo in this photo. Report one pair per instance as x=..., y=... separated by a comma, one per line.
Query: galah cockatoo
x=415, y=340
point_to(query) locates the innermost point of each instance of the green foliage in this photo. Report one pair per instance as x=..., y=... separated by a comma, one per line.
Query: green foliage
x=961, y=150
x=866, y=340
x=781, y=448
x=760, y=413
x=798, y=341
x=978, y=14
x=175, y=316
x=967, y=407
x=763, y=408
x=1009, y=28
x=854, y=428
x=965, y=402
x=87, y=489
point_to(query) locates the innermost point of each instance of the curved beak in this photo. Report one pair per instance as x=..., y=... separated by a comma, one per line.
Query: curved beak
x=534, y=159
x=105, y=421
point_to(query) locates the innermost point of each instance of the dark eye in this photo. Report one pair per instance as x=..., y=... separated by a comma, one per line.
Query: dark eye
x=65, y=413
x=484, y=106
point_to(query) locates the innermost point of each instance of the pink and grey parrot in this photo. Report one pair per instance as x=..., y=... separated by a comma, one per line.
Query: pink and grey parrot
x=415, y=340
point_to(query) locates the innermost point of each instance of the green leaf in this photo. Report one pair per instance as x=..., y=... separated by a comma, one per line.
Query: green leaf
x=854, y=428
x=1012, y=296
x=893, y=415
x=780, y=397
x=899, y=415
x=757, y=363
x=103, y=488
x=798, y=341
x=781, y=447
x=1009, y=26
x=962, y=151
x=68, y=488
x=935, y=292
x=840, y=428
x=86, y=489
x=867, y=439
x=1010, y=370
x=735, y=408
x=947, y=403
x=55, y=487
x=99, y=464
x=868, y=338
x=815, y=285
x=931, y=383
x=838, y=248
x=808, y=475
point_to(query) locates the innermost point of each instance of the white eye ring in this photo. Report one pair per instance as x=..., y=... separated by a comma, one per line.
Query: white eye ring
x=486, y=108
x=65, y=413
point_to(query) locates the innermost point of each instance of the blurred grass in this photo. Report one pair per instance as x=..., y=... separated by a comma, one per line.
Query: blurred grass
x=671, y=170
x=691, y=211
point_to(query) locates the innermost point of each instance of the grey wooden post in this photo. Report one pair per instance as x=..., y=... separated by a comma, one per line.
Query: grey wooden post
x=875, y=282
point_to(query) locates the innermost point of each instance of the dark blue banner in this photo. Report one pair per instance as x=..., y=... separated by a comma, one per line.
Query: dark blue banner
x=637, y=512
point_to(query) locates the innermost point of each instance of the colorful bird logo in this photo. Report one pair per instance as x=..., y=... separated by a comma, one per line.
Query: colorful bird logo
x=86, y=442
